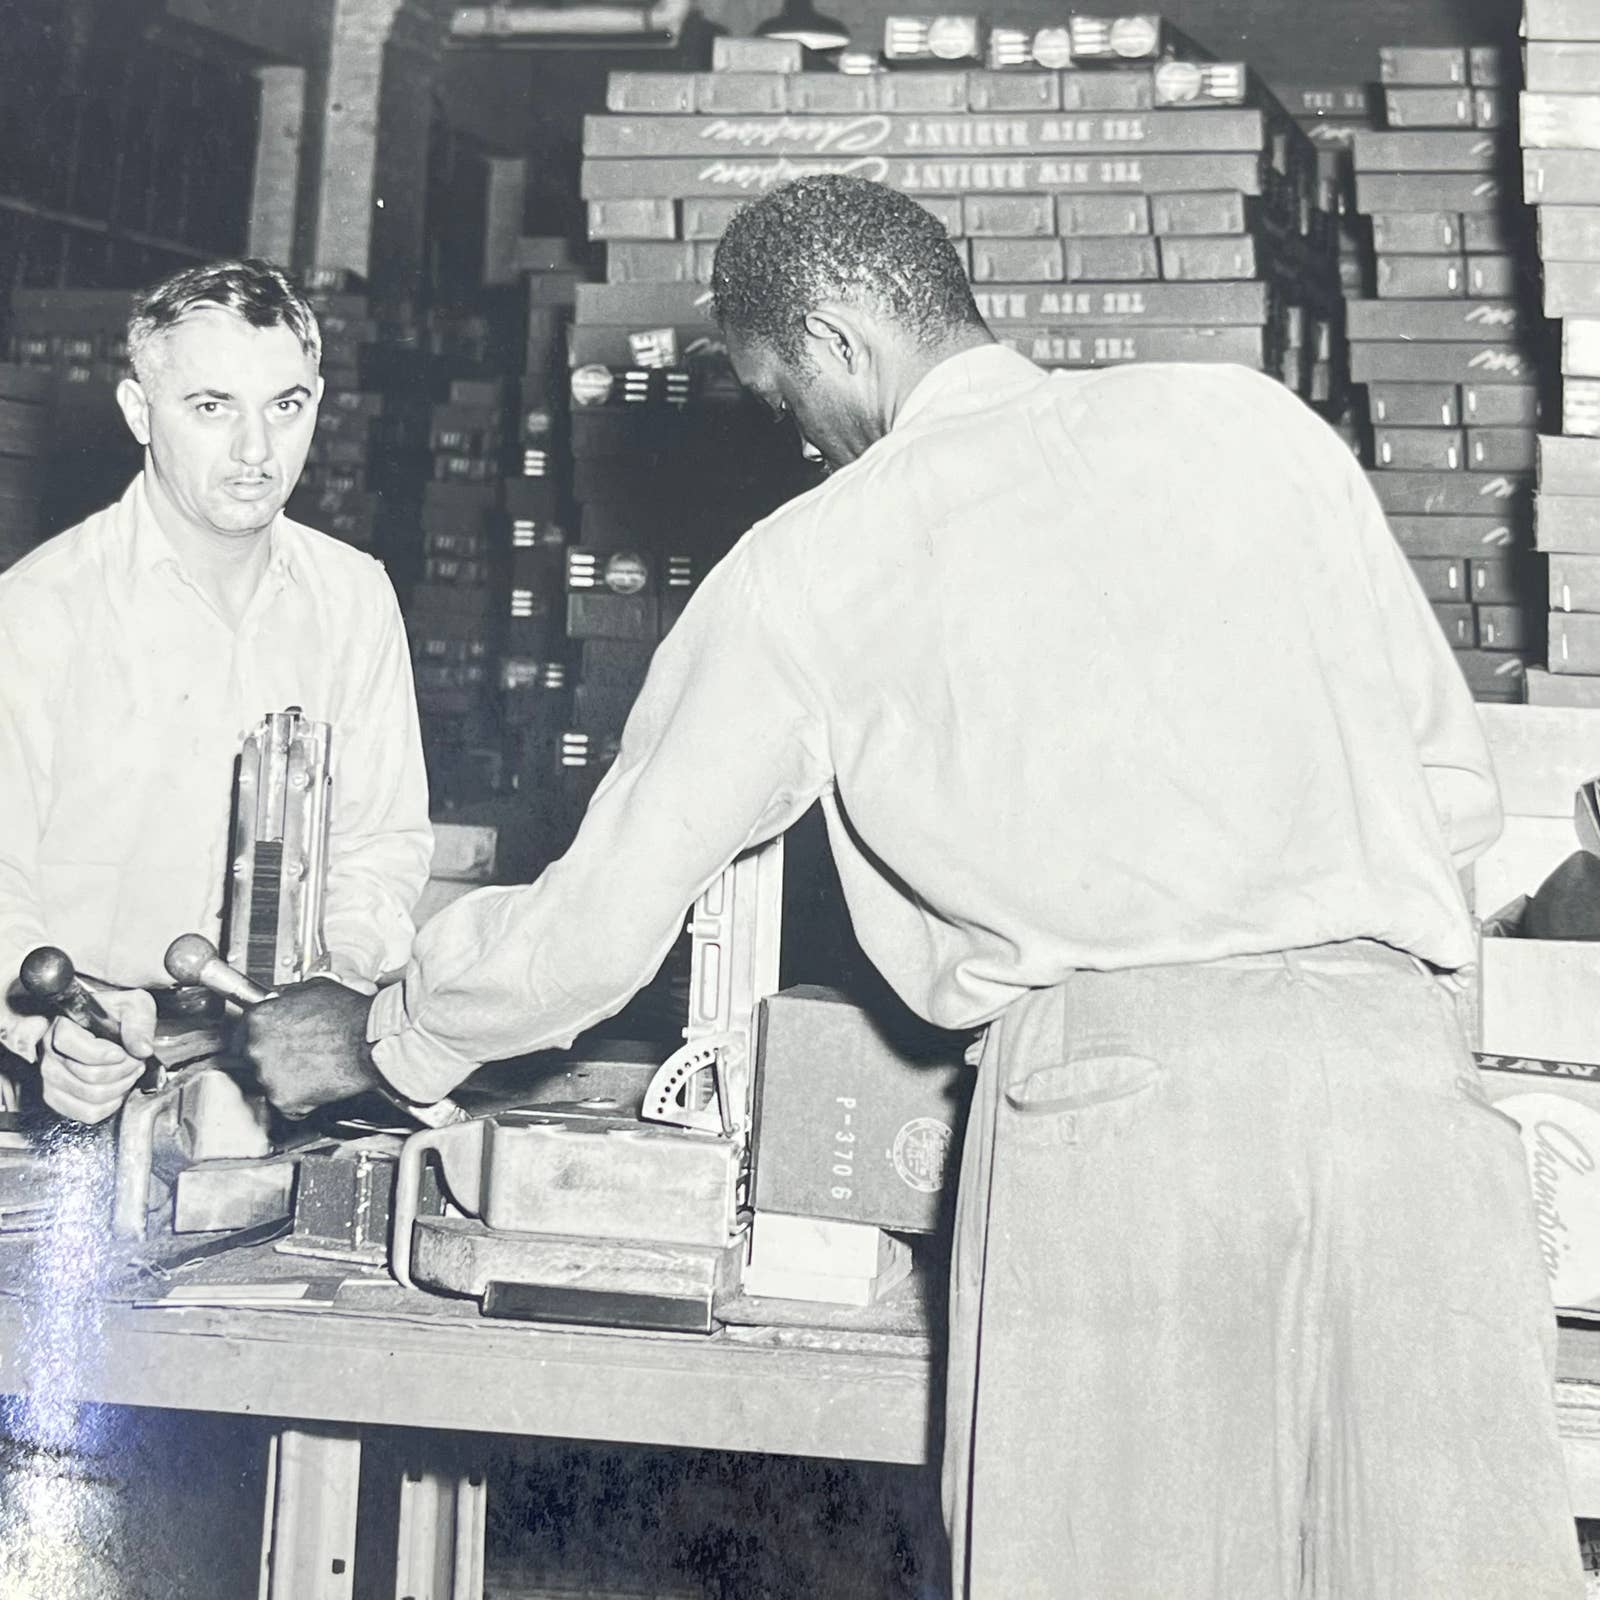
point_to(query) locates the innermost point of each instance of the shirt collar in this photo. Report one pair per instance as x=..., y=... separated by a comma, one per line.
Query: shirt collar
x=149, y=548
x=957, y=378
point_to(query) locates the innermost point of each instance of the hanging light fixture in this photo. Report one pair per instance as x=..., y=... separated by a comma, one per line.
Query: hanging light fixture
x=799, y=21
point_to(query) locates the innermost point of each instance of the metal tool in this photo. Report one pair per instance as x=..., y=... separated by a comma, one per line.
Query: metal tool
x=48, y=976
x=280, y=849
x=193, y=958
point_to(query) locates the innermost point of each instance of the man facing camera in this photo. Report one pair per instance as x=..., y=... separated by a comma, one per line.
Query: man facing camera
x=142, y=646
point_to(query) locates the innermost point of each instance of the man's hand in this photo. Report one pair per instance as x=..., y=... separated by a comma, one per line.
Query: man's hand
x=86, y=1078
x=309, y=1046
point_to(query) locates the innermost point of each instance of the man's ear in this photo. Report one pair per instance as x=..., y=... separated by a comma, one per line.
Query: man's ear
x=135, y=406
x=835, y=335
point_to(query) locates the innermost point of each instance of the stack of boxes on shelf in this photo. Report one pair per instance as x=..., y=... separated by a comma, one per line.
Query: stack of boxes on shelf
x=459, y=593
x=1445, y=352
x=1331, y=115
x=24, y=429
x=536, y=662
x=1114, y=200
x=338, y=490
x=1560, y=123
x=75, y=341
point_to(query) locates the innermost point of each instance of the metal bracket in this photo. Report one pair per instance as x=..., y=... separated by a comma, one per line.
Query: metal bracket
x=439, y=1549
x=308, y=1535
x=735, y=932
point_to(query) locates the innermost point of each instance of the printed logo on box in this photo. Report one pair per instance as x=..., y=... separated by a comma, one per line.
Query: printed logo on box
x=921, y=1154
x=626, y=573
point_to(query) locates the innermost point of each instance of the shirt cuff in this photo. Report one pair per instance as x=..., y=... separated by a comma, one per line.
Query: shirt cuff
x=414, y=1064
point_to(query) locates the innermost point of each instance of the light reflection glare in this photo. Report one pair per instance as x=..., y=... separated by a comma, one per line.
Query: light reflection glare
x=59, y=1522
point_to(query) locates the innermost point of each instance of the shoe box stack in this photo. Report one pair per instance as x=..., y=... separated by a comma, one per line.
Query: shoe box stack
x=454, y=574
x=1331, y=115
x=1560, y=128
x=74, y=342
x=339, y=489
x=1446, y=351
x=1115, y=199
x=536, y=665
x=24, y=430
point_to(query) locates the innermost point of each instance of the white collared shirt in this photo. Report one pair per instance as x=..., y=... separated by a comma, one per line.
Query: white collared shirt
x=124, y=700
x=1091, y=670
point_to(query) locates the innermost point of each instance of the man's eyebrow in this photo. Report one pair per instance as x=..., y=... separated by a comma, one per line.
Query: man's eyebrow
x=222, y=394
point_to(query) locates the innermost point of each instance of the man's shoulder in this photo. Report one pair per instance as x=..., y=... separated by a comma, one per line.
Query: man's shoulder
x=55, y=572
x=332, y=560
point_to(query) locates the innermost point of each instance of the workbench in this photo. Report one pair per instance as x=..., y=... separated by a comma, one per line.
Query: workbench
x=382, y=1358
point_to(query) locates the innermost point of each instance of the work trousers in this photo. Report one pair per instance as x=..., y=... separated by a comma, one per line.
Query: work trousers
x=1246, y=1301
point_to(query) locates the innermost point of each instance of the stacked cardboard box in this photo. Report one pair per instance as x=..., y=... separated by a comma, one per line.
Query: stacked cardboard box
x=75, y=343
x=24, y=429
x=1150, y=208
x=1445, y=353
x=1560, y=122
x=1331, y=115
x=535, y=668
x=339, y=490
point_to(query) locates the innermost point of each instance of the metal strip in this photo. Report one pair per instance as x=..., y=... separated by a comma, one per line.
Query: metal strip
x=308, y=1541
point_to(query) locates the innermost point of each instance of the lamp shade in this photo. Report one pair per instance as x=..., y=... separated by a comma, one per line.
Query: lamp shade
x=800, y=22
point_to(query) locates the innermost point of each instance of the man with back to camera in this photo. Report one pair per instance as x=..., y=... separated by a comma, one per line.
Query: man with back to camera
x=143, y=645
x=1139, y=744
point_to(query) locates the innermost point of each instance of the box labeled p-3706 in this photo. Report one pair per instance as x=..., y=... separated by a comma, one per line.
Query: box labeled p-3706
x=850, y=1124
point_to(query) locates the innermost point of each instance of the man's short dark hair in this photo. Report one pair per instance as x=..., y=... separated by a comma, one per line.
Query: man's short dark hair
x=255, y=290
x=837, y=238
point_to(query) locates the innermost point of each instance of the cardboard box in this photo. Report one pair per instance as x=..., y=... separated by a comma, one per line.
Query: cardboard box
x=1574, y=643
x=1569, y=466
x=1102, y=215
x=847, y=1124
x=1429, y=191
x=1405, y=362
x=1419, y=449
x=1570, y=67
x=1178, y=305
x=1413, y=405
x=1111, y=260
x=1430, y=108
x=1501, y=405
x=1008, y=216
x=1500, y=449
x=1560, y=121
x=1418, y=233
x=1016, y=261
x=1190, y=214
x=1567, y=523
x=1552, y=689
x=1072, y=172
x=1421, y=277
x=1503, y=627
x=1428, y=152
x=1540, y=998
x=1453, y=536
x=1421, y=65
x=1213, y=258
x=1560, y=178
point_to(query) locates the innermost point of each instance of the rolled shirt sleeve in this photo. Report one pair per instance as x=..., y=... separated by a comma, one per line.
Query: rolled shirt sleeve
x=724, y=748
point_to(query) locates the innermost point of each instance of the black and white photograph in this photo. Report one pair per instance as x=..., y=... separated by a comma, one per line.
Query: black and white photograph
x=799, y=800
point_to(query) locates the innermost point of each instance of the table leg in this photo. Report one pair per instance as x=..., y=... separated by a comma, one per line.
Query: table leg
x=308, y=1534
x=439, y=1551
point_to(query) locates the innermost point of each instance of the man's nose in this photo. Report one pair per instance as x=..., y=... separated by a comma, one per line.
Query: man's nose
x=250, y=443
